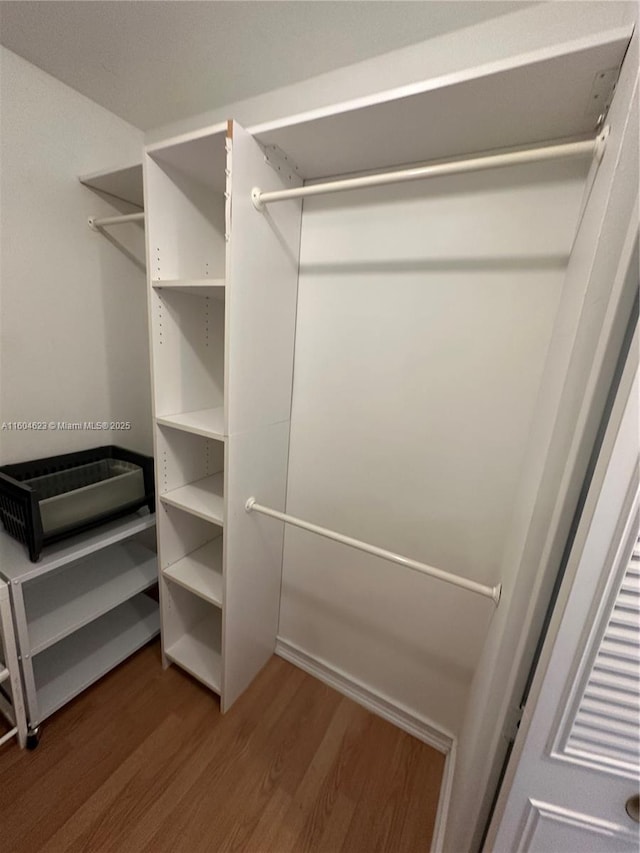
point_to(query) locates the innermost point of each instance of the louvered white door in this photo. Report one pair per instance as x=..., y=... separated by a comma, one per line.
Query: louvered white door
x=574, y=773
x=606, y=724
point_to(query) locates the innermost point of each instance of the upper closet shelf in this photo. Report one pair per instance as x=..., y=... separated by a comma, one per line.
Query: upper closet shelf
x=124, y=183
x=198, y=286
x=200, y=157
x=537, y=98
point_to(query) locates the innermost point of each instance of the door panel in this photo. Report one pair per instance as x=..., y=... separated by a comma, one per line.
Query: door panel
x=575, y=760
x=604, y=725
x=550, y=828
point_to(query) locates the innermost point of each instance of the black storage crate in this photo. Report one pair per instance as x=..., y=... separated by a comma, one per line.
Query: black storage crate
x=50, y=499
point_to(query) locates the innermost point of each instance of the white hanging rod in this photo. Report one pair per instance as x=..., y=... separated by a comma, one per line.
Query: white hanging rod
x=492, y=592
x=96, y=224
x=594, y=147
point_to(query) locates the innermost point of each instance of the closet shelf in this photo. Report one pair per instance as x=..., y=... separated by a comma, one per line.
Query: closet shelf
x=92, y=587
x=16, y=565
x=198, y=651
x=200, y=572
x=206, y=422
x=68, y=667
x=124, y=183
x=203, y=498
x=202, y=158
x=214, y=287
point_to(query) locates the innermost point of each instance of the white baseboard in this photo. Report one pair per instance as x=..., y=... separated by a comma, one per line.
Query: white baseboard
x=437, y=842
x=405, y=719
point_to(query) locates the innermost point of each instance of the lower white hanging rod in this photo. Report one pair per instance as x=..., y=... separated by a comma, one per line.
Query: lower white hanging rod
x=492, y=592
x=114, y=220
x=474, y=164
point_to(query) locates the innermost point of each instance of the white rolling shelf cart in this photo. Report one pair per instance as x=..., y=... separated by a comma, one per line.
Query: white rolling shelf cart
x=222, y=360
x=11, y=701
x=81, y=609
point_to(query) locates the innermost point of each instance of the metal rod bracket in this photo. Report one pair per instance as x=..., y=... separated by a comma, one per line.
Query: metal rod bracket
x=256, y=192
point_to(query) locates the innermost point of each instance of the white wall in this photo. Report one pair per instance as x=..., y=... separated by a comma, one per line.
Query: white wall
x=74, y=324
x=423, y=325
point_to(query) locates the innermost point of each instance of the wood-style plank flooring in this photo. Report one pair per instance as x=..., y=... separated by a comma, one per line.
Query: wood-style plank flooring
x=144, y=761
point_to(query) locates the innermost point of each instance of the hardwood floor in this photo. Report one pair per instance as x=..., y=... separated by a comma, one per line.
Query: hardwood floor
x=144, y=761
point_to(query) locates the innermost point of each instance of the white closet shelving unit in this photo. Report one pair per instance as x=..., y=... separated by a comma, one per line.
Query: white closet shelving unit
x=222, y=356
x=222, y=296
x=186, y=263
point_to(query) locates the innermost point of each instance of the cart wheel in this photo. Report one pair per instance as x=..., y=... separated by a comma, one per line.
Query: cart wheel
x=33, y=737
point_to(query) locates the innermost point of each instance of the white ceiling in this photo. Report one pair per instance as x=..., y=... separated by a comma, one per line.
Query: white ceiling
x=154, y=62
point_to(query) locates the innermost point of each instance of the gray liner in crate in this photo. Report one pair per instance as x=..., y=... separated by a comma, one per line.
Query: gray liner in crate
x=45, y=500
x=69, y=498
